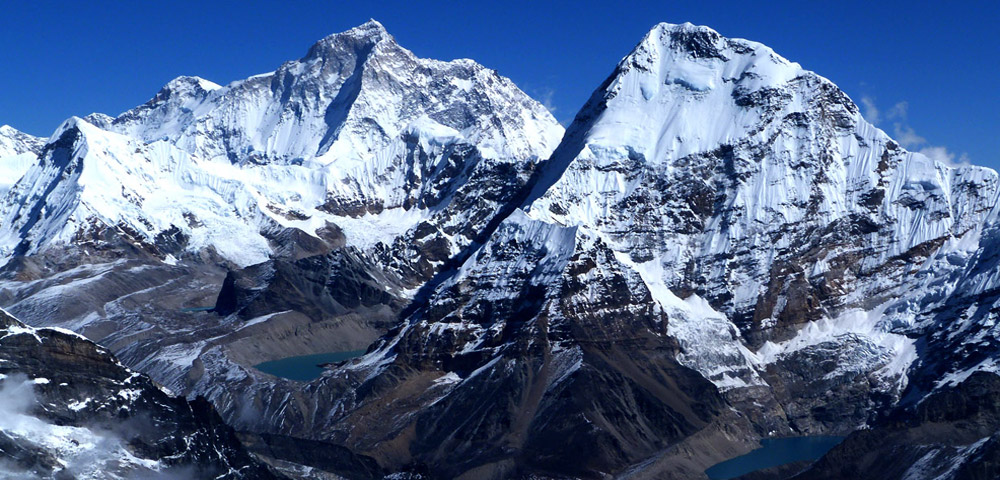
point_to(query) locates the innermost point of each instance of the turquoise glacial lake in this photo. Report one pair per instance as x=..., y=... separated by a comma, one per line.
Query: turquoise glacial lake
x=774, y=452
x=305, y=367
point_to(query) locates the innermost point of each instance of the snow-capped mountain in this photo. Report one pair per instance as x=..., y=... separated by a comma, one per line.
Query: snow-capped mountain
x=394, y=163
x=720, y=248
x=714, y=194
x=347, y=102
x=13, y=142
x=714, y=167
x=359, y=132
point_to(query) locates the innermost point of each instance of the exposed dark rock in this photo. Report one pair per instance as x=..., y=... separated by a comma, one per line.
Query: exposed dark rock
x=319, y=286
x=953, y=433
x=85, y=386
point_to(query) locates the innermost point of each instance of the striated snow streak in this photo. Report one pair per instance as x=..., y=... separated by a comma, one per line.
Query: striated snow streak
x=701, y=148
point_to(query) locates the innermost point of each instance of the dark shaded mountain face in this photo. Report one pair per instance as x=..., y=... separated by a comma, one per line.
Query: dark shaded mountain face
x=70, y=410
x=719, y=249
x=953, y=433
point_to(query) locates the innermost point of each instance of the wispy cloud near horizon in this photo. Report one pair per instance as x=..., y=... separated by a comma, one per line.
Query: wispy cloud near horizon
x=907, y=136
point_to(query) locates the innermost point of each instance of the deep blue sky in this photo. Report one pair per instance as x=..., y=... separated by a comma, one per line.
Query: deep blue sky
x=940, y=62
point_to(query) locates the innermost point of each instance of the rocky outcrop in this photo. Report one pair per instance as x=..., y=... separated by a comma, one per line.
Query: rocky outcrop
x=337, y=283
x=561, y=352
x=773, y=254
x=354, y=168
x=70, y=410
x=952, y=434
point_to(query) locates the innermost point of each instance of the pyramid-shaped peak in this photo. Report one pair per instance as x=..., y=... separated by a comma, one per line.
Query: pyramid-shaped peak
x=358, y=39
x=371, y=27
x=686, y=27
x=674, y=46
x=696, y=40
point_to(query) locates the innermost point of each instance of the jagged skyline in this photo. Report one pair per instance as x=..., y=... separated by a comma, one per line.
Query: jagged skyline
x=895, y=70
x=719, y=251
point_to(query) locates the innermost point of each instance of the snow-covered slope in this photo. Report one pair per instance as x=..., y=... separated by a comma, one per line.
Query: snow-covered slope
x=714, y=166
x=720, y=248
x=346, y=103
x=360, y=134
x=18, y=152
x=89, y=180
x=713, y=189
x=383, y=140
x=13, y=142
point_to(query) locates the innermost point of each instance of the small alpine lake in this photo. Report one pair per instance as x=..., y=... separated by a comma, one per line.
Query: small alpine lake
x=197, y=309
x=304, y=368
x=774, y=452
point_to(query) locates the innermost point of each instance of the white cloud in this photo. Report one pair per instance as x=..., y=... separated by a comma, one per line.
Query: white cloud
x=898, y=111
x=941, y=154
x=907, y=136
x=871, y=112
x=83, y=451
x=544, y=96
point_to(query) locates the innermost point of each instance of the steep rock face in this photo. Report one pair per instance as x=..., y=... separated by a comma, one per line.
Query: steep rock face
x=953, y=311
x=712, y=200
x=126, y=226
x=551, y=340
x=716, y=168
x=70, y=410
x=333, y=284
x=952, y=434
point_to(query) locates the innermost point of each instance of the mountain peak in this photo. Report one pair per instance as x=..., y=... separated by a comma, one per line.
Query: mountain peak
x=16, y=142
x=701, y=59
x=360, y=39
x=697, y=40
x=71, y=123
x=686, y=27
x=371, y=27
x=9, y=131
x=372, y=30
x=184, y=86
